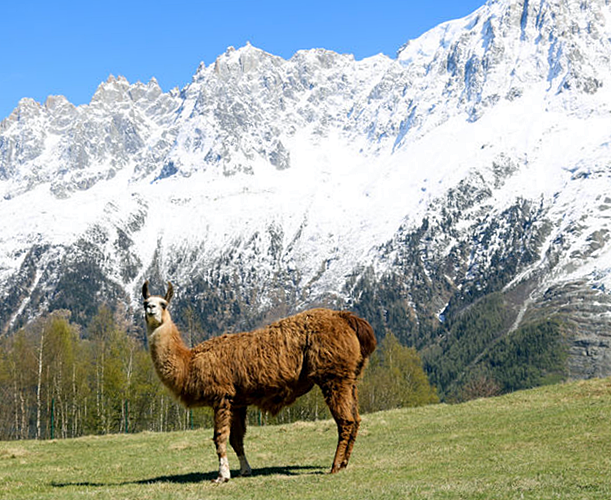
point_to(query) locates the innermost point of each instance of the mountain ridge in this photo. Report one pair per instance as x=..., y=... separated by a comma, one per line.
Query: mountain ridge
x=409, y=189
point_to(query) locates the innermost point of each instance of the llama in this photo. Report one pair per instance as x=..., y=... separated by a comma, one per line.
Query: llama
x=269, y=368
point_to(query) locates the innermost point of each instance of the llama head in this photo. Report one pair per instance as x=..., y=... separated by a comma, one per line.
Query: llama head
x=155, y=306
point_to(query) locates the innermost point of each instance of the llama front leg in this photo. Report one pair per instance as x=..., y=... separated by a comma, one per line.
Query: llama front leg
x=222, y=420
x=236, y=438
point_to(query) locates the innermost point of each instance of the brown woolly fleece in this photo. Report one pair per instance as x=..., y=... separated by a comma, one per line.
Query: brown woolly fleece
x=269, y=368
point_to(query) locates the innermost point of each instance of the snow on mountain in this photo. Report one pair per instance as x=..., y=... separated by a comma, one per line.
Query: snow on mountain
x=475, y=162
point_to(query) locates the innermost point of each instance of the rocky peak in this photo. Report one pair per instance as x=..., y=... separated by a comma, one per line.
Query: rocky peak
x=114, y=90
x=234, y=64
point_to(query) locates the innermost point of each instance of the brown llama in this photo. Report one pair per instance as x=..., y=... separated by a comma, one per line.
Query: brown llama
x=269, y=367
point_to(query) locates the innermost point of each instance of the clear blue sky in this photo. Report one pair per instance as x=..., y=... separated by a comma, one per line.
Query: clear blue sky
x=69, y=47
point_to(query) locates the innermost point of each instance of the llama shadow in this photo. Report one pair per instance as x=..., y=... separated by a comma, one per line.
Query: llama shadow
x=200, y=477
x=289, y=470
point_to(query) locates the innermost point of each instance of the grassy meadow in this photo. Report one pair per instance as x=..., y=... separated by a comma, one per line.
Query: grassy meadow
x=551, y=442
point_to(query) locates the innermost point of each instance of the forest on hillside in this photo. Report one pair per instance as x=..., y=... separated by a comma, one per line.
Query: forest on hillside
x=61, y=380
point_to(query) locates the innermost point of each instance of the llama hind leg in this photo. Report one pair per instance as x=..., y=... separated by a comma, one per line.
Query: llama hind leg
x=236, y=438
x=339, y=396
x=222, y=420
x=355, y=428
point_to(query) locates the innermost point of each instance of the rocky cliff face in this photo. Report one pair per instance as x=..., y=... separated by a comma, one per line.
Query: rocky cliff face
x=471, y=171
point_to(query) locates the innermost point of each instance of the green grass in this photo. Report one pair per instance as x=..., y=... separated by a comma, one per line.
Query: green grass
x=552, y=442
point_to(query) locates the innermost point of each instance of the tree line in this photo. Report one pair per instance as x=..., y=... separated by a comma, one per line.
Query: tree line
x=60, y=380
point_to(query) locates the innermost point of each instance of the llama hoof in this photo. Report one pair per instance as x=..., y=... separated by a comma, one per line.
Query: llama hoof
x=220, y=480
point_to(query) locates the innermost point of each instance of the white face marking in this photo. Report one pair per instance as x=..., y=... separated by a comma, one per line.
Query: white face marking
x=153, y=309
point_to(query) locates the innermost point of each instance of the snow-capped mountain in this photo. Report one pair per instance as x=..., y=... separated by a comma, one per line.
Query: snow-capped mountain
x=476, y=162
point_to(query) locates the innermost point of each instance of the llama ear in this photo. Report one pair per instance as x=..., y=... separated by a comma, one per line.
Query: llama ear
x=169, y=293
x=145, y=290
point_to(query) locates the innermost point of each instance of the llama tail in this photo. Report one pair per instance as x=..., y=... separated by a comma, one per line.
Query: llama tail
x=364, y=332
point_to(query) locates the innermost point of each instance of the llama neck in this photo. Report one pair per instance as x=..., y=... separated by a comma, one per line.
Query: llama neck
x=170, y=356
